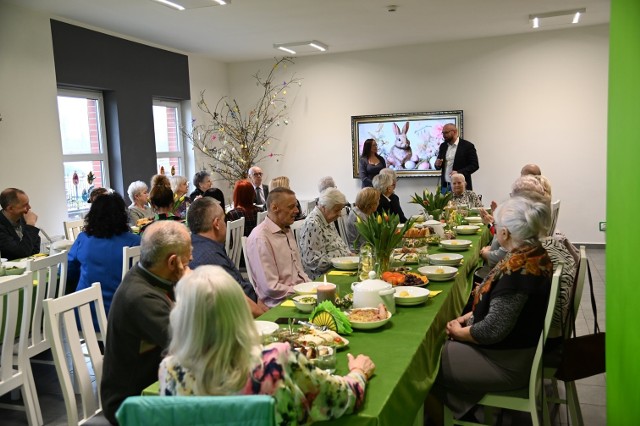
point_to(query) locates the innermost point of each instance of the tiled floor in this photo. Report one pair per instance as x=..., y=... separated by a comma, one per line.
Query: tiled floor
x=591, y=391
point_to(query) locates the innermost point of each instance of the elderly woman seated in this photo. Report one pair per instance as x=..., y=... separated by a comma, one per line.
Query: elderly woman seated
x=319, y=241
x=492, y=347
x=366, y=203
x=385, y=183
x=215, y=350
x=139, y=208
x=462, y=196
x=181, y=200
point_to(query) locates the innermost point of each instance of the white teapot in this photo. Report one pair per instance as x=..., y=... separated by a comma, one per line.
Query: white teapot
x=370, y=293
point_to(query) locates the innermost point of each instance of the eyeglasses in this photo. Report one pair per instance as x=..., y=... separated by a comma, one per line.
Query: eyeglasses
x=256, y=174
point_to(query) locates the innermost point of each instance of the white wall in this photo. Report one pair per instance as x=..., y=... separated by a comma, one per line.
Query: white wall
x=30, y=146
x=530, y=98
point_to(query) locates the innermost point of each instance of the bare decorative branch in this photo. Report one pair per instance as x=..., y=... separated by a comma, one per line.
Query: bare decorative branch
x=235, y=140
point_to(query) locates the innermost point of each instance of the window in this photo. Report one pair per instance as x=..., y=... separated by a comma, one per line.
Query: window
x=84, y=147
x=169, y=148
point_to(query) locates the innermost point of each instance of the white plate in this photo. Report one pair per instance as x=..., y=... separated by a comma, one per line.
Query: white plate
x=307, y=288
x=370, y=325
x=417, y=295
x=438, y=273
x=450, y=259
x=305, y=307
x=467, y=229
x=266, y=327
x=347, y=263
x=456, y=245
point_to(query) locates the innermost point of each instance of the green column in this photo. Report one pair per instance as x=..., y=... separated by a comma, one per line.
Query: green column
x=623, y=207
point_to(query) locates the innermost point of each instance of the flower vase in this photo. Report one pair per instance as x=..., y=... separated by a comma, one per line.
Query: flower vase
x=382, y=261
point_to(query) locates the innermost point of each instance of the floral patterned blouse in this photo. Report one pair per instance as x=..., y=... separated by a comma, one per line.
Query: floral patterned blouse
x=303, y=393
x=319, y=243
x=468, y=198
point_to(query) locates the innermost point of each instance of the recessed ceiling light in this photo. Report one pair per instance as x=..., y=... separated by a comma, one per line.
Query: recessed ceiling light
x=562, y=17
x=312, y=46
x=192, y=4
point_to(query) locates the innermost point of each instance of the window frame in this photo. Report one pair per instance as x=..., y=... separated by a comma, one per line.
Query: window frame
x=103, y=156
x=181, y=153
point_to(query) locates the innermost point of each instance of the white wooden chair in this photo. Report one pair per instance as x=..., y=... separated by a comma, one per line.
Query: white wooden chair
x=246, y=261
x=311, y=204
x=51, y=275
x=555, y=211
x=61, y=321
x=571, y=400
x=130, y=256
x=296, y=228
x=73, y=228
x=15, y=368
x=341, y=222
x=232, y=245
x=261, y=216
x=525, y=399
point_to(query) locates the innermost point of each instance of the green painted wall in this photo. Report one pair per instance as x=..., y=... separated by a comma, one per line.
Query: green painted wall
x=623, y=205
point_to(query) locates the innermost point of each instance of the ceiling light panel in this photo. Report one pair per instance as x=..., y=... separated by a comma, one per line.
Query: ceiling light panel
x=192, y=4
x=556, y=19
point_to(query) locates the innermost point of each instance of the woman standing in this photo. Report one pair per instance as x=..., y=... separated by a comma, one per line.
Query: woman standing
x=139, y=209
x=215, y=350
x=243, y=195
x=96, y=255
x=370, y=162
x=492, y=347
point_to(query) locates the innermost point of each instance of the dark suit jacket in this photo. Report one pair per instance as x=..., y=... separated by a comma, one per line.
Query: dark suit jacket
x=391, y=206
x=465, y=161
x=12, y=246
x=265, y=191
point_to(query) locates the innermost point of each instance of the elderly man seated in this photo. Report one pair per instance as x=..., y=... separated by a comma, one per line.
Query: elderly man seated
x=272, y=250
x=138, y=329
x=319, y=240
x=19, y=236
x=209, y=229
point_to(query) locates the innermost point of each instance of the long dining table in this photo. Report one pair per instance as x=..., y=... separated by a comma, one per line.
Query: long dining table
x=407, y=349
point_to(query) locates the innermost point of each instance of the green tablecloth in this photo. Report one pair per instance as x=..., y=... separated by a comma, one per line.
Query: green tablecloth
x=406, y=350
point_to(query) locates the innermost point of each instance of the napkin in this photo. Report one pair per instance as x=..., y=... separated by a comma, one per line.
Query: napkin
x=341, y=273
x=288, y=303
x=434, y=293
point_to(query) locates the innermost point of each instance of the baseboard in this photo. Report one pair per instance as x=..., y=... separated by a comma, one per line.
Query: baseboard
x=601, y=246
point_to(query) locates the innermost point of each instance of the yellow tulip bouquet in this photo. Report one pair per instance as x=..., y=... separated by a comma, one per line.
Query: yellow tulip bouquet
x=384, y=234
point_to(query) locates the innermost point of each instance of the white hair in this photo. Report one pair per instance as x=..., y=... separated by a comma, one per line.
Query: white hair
x=332, y=197
x=326, y=182
x=135, y=188
x=213, y=333
x=176, y=181
x=382, y=181
x=526, y=220
x=458, y=176
x=390, y=172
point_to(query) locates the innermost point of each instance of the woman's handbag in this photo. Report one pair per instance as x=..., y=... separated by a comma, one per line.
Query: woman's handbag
x=583, y=356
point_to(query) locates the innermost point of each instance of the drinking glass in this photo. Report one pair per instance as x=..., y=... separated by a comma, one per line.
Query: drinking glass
x=326, y=359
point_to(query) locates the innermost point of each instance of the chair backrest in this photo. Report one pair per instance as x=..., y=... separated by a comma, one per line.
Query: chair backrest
x=235, y=231
x=342, y=226
x=72, y=228
x=578, y=287
x=246, y=261
x=311, y=204
x=296, y=228
x=50, y=273
x=261, y=216
x=555, y=211
x=130, y=256
x=249, y=410
x=62, y=330
x=15, y=312
x=536, y=367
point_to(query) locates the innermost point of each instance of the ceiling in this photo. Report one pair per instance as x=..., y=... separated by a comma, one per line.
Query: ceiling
x=247, y=29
